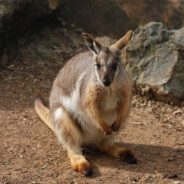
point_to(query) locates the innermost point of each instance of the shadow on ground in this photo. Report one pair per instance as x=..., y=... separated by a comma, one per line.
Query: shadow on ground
x=166, y=161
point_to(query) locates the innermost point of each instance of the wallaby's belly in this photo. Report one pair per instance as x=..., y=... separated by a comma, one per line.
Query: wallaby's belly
x=91, y=132
x=110, y=117
x=73, y=105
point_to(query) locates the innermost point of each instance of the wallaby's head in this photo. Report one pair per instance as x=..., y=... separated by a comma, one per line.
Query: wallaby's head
x=107, y=61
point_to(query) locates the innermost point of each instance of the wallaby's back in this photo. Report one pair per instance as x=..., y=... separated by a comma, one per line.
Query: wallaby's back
x=66, y=81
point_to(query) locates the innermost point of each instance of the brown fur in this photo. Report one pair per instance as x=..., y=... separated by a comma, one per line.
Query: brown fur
x=93, y=100
x=87, y=36
x=123, y=41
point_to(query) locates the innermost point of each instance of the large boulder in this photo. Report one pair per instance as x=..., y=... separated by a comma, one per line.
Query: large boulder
x=155, y=60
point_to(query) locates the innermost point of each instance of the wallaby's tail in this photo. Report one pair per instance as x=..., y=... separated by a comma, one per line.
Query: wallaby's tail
x=43, y=112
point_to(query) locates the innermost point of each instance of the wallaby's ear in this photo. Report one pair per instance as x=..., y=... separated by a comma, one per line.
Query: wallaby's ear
x=92, y=43
x=123, y=41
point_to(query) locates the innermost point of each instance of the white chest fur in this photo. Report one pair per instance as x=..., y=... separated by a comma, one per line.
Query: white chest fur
x=109, y=106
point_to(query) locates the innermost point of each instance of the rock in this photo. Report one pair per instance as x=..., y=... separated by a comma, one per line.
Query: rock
x=114, y=18
x=135, y=123
x=4, y=59
x=135, y=179
x=22, y=11
x=171, y=159
x=111, y=17
x=178, y=112
x=150, y=179
x=17, y=16
x=155, y=60
x=46, y=54
x=171, y=176
x=102, y=17
x=177, y=182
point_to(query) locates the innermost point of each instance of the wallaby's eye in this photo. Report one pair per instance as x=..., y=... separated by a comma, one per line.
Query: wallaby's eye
x=98, y=66
x=114, y=66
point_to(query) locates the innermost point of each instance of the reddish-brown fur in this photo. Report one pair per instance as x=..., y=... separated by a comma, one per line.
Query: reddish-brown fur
x=93, y=99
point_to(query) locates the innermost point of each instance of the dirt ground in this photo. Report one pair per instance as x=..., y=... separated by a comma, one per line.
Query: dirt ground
x=30, y=152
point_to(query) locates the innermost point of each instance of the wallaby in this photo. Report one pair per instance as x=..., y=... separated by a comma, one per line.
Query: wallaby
x=89, y=102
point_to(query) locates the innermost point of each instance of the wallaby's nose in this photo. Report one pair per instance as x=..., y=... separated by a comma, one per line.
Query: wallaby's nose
x=106, y=82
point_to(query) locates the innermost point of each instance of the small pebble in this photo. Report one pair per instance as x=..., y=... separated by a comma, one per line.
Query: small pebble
x=171, y=176
x=150, y=179
x=170, y=159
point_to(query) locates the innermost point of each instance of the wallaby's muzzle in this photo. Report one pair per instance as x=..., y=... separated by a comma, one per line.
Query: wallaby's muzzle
x=106, y=82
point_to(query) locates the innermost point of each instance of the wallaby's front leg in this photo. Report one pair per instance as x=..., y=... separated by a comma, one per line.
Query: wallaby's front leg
x=122, y=114
x=123, y=108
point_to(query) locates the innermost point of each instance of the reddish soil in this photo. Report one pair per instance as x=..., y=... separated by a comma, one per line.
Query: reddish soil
x=30, y=152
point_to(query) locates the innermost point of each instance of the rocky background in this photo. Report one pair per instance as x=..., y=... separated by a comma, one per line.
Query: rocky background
x=154, y=57
x=155, y=60
x=36, y=39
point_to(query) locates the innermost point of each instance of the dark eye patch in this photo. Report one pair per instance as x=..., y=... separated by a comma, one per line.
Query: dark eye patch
x=98, y=65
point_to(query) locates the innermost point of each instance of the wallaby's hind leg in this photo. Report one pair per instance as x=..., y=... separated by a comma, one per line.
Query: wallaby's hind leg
x=70, y=135
x=122, y=153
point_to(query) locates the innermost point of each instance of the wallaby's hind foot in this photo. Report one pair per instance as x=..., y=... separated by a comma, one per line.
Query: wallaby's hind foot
x=122, y=153
x=127, y=156
x=79, y=162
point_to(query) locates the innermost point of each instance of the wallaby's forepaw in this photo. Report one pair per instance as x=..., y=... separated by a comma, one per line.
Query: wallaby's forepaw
x=107, y=130
x=115, y=127
x=127, y=156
